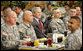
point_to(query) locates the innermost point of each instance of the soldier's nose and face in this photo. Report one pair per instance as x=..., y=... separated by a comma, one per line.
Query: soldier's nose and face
x=57, y=13
x=49, y=6
x=72, y=12
x=17, y=10
x=13, y=17
x=66, y=7
x=78, y=12
x=30, y=17
x=72, y=24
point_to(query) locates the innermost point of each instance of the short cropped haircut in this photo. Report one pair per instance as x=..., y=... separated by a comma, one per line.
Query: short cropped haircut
x=34, y=9
x=20, y=6
x=72, y=8
x=6, y=10
x=77, y=18
x=48, y=4
x=54, y=9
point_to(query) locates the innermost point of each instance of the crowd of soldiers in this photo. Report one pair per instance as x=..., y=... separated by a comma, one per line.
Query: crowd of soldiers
x=19, y=24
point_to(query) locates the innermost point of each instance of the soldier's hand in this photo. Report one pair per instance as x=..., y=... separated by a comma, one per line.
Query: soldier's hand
x=4, y=33
x=20, y=30
x=54, y=26
x=66, y=22
x=27, y=36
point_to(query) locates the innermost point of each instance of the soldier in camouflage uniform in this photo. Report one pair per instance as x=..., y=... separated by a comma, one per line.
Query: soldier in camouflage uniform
x=74, y=39
x=19, y=18
x=72, y=12
x=79, y=14
x=19, y=12
x=67, y=8
x=56, y=22
x=48, y=10
x=26, y=28
x=2, y=21
x=9, y=32
x=3, y=13
x=43, y=17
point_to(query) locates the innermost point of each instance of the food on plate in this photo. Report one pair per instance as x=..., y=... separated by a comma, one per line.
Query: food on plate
x=36, y=43
x=55, y=45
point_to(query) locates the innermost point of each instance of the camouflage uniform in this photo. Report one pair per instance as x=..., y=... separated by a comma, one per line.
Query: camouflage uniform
x=81, y=22
x=28, y=30
x=2, y=21
x=20, y=17
x=43, y=17
x=60, y=27
x=74, y=40
x=11, y=39
x=65, y=20
x=48, y=13
x=66, y=13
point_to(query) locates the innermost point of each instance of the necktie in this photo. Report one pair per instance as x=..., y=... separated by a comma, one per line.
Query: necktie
x=41, y=25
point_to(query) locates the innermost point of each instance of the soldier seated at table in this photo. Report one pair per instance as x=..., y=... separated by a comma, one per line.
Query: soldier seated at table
x=72, y=12
x=56, y=23
x=3, y=13
x=19, y=12
x=79, y=14
x=48, y=10
x=2, y=20
x=67, y=8
x=74, y=39
x=9, y=32
x=26, y=29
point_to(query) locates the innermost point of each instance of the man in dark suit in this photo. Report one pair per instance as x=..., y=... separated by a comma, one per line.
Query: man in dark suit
x=37, y=24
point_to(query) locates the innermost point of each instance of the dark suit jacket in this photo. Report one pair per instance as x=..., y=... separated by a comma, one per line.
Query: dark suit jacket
x=37, y=29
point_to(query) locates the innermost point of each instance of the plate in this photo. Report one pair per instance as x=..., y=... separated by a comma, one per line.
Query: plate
x=44, y=47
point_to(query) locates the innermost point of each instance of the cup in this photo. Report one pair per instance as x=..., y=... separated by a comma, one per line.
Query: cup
x=59, y=39
x=28, y=43
x=45, y=42
x=32, y=43
x=49, y=41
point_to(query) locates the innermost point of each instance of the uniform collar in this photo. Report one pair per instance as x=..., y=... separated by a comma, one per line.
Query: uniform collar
x=28, y=25
x=58, y=20
x=9, y=26
x=75, y=31
x=21, y=13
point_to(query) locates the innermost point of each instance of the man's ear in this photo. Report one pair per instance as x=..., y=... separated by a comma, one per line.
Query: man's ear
x=78, y=25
